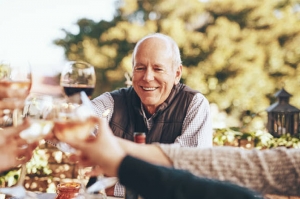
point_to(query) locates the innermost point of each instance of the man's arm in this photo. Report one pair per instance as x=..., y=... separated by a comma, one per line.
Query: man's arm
x=197, y=125
x=102, y=103
x=156, y=182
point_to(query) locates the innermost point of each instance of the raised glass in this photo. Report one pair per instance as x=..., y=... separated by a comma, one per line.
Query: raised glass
x=39, y=108
x=78, y=76
x=15, y=81
x=76, y=120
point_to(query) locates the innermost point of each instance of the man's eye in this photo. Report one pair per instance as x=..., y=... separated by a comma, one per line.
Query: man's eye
x=139, y=68
x=158, y=69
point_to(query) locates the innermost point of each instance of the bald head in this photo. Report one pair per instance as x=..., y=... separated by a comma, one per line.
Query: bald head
x=156, y=69
x=158, y=40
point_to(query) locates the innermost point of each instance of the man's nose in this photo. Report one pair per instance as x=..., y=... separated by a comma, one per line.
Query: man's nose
x=149, y=75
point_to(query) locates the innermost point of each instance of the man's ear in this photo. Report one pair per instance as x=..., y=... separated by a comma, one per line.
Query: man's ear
x=178, y=75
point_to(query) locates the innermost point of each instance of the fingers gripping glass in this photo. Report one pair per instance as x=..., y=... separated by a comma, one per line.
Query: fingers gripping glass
x=75, y=120
x=15, y=81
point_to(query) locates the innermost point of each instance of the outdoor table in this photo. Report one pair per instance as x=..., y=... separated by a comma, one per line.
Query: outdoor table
x=52, y=196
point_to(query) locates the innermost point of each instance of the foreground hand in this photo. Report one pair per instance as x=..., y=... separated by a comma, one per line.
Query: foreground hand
x=12, y=133
x=12, y=93
x=14, y=150
x=11, y=104
x=12, y=154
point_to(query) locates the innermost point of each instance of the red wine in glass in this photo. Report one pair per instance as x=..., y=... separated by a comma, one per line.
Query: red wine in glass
x=72, y=89
x=78, y=76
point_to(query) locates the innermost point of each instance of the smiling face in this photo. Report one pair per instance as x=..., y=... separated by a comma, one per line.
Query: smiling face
x=153, y=73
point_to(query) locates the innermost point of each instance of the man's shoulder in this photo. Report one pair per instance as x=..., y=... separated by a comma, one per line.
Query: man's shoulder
x=197, y=95
x=104, y=98
x=188, y=89
x=121, y=91
x=125, y=95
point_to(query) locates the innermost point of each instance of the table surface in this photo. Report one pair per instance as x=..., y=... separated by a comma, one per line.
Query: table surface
x=53, y=195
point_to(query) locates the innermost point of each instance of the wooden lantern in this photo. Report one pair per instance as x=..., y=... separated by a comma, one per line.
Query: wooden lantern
x=283, y=118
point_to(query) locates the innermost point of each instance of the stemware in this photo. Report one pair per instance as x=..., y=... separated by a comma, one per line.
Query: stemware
x=78, y=76
x=15, y=78
x=39, y=108
x=72, y=118
x=75, y=118
x=42, y=110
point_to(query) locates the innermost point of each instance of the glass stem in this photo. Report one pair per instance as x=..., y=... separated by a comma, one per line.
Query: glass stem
x=81, y=179
x=22, y=175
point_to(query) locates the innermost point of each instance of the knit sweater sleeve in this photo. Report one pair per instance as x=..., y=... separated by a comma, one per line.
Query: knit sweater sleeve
x=274, y=171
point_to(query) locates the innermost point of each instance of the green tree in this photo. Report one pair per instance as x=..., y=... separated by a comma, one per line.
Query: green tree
x=237, y=53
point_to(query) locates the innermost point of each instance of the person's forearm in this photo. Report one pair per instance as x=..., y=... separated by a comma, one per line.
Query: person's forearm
x=148, y=152
x=159, y=182
x=273, y=171
x=259, y=170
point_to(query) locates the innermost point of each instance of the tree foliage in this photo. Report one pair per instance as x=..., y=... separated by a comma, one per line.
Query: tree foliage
x=237, y=53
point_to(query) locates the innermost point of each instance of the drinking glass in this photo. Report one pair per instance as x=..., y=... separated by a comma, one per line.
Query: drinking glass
x=15, y=80
x=78, y=76
x=39, y=108
x=75, y=118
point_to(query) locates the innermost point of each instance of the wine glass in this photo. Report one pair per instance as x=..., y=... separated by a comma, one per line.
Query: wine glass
x=75, y=118
x=15, y=80
x=78, y=76
x=39, y=108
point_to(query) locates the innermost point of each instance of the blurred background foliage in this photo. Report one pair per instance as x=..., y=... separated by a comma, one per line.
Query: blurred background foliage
x=237, y=53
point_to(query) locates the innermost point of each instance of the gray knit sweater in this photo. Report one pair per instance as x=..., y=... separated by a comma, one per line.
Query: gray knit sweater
x=274, y=171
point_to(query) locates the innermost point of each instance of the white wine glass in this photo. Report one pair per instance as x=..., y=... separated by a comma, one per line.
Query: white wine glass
x=39, y=108
x=78, y=76
x=15, y=80
x=76, y=119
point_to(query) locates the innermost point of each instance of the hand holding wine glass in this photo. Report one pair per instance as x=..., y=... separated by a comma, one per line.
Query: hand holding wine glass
x=12, y=155
x=10, y=140
x=78, y=76
x=76, y=119
x=15, y=80
x=104, y=150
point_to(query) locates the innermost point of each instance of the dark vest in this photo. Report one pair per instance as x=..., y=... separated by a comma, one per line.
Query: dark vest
x=127, y=117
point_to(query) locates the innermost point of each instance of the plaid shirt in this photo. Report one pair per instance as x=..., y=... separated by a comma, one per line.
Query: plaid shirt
x=196, y=128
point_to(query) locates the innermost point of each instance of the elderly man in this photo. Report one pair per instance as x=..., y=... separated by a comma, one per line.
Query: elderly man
x=157, y=103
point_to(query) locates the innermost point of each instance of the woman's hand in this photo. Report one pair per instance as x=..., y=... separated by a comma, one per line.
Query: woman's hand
x=14, y=150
